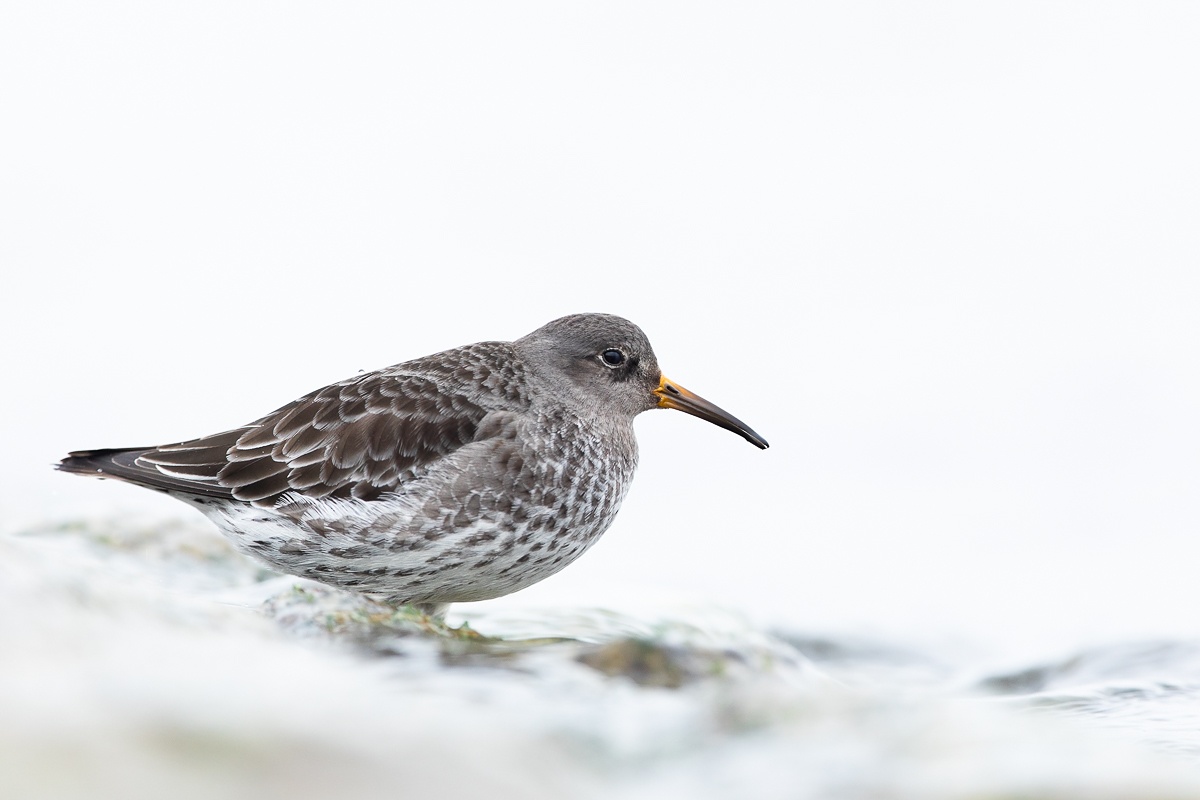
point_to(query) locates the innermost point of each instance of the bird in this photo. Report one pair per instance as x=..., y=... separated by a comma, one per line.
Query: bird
x=460, y=476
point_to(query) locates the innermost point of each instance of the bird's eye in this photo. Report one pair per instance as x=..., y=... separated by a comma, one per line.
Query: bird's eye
x=614, y=358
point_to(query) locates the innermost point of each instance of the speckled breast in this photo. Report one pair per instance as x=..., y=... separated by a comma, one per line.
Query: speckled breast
x=496, y=517
x=533, y=508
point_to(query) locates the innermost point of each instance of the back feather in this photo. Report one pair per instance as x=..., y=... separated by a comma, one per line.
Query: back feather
x=358, y=438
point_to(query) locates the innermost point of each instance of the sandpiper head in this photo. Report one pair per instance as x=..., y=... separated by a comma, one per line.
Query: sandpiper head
x=608, y=364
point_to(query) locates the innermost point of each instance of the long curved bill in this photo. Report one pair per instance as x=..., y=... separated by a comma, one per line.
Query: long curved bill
x=672, y=395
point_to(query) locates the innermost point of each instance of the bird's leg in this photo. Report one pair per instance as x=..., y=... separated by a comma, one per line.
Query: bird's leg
x=435, y=611
x=436, y=616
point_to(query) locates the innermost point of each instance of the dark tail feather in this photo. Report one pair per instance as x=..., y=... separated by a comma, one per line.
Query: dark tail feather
x=121, y=464
x=110, y=463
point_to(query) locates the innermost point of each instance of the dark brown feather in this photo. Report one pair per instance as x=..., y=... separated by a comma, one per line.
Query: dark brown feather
x=357, y=438
x=272, y=485
x=246, y=473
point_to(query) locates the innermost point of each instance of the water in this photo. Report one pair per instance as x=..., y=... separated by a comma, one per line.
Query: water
x=150, y=660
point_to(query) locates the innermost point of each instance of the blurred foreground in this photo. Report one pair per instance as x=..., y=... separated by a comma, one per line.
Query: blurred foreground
x=153, y=661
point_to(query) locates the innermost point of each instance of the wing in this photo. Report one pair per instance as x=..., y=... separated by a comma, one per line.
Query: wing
x=358, y=438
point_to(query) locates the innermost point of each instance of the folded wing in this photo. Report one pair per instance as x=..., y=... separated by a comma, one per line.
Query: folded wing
x=358, y=438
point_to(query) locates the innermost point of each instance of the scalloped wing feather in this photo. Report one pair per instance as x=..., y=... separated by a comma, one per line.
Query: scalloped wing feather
x=358, y=438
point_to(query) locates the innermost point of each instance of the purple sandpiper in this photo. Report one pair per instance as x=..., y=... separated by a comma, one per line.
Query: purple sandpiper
x=460, y=476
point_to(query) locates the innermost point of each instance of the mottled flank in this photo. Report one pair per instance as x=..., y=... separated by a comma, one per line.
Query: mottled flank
x=464, y=475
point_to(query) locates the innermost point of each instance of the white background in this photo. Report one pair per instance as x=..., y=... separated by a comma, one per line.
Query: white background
x=943, y=256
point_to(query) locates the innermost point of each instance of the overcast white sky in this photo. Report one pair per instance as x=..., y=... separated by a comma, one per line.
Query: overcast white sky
x=943, y=256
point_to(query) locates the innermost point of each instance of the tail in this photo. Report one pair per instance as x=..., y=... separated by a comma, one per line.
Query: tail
x=122, y=464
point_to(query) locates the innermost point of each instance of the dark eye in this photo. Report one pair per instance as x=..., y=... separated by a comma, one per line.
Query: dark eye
x=614, y=358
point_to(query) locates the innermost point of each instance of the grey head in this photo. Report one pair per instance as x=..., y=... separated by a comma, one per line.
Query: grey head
x=604, y=364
